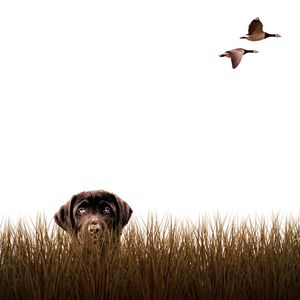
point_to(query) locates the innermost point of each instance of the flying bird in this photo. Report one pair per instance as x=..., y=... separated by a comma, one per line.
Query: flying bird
x=256, y=33
x=236, y=55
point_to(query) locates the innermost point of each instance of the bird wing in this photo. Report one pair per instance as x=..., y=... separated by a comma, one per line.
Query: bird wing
x=255, y=26
x=236, y=56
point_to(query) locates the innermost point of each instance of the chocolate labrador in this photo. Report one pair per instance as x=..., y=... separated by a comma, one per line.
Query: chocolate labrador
x=91, y=214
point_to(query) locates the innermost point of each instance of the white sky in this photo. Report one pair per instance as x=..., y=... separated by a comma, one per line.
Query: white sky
x=131, y=97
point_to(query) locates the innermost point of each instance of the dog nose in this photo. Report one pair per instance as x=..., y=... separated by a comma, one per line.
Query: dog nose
x=94, y=227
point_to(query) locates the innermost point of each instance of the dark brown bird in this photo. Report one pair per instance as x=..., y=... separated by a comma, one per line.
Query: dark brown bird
x=236, y=55
x=256, y=33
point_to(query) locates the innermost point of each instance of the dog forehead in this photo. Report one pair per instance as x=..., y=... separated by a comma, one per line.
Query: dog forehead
x=94, y=198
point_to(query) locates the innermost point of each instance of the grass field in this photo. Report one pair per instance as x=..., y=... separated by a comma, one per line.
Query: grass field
x=214, y=259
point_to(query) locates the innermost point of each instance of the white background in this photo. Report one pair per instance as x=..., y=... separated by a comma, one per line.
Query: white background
x=131, y=97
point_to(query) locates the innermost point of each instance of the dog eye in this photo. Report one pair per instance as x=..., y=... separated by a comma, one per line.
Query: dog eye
x=107, y=210
x=81, y=210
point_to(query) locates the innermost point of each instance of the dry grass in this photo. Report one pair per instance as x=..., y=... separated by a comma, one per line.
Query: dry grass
x=157, y=260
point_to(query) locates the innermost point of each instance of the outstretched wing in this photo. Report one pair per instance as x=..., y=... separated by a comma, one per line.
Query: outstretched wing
x=236, y=56
x=255, y=26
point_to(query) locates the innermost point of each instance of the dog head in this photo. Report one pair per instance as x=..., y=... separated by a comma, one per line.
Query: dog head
x=91, y=214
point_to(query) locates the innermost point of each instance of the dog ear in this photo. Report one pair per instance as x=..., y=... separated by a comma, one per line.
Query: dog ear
x=64, y=216
x=125, y=212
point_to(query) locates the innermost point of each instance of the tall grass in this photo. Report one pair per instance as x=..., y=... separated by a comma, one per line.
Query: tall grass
x=214, y=259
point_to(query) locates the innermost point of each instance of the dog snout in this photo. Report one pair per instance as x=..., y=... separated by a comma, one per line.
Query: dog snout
x=94, y=227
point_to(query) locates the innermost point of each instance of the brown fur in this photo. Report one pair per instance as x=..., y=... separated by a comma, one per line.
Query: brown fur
x=90, y=214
